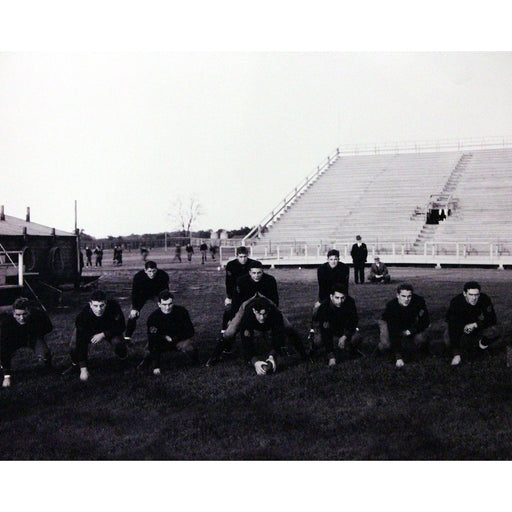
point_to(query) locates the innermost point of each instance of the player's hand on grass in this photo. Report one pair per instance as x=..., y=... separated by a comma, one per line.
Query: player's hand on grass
x=133, y=314
x=260, y=367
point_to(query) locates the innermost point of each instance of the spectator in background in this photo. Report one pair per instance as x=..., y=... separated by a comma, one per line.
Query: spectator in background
x=359, y=253
x=98, y=252
x=203, y=248
x=144, y=252
x=88, y=256
x=213, y=251
x=118, y=255
x=378, y=272
x=190, y=252
x=177, y=252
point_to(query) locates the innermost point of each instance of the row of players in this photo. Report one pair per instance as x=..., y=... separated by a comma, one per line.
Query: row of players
x=252, y=306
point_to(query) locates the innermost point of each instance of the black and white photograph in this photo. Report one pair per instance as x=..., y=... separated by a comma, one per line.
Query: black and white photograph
x=281, y=265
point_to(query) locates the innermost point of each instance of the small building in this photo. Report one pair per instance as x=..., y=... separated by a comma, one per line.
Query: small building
x=49, y=255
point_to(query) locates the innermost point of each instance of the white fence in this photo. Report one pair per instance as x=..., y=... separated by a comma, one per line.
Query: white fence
x=452, y=253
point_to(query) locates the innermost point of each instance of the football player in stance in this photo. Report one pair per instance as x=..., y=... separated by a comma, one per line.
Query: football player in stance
x=169, y=328
x=329, y=273
x=261, y=315
x=471, y=322
x=235, y=269
x=337, y=318
x=403, y=324
x=248, y=287
x=100, y=320
x=147, y=284
x=25, y=326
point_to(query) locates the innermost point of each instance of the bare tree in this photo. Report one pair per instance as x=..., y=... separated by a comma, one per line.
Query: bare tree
x=185, y=212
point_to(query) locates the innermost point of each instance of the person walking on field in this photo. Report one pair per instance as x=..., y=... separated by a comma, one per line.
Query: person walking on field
x=98, y=252
x=204, y=249
x=359, y=253
x=190, y=251
x=177, y=252
x=88, y=256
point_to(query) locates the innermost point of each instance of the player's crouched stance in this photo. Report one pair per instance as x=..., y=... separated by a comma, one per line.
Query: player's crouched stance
x=403, y=325
x=26, y=326
x=101, y=320
x=268, y=319
x=471, y=322
x=337, y=318
x=260, y=315
x=169, y=328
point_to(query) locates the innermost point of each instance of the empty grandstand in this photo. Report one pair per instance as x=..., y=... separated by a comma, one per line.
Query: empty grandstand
x=413, y=204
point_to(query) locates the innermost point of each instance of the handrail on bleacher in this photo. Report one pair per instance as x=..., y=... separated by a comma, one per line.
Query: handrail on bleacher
x=290, y=197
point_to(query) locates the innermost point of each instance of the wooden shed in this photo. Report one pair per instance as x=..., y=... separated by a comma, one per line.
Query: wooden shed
x=48, y=255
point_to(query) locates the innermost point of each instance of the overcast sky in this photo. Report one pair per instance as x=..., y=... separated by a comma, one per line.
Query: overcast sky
x=124, y=134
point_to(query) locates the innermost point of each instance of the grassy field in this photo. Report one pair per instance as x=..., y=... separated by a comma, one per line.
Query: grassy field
x=363, y=409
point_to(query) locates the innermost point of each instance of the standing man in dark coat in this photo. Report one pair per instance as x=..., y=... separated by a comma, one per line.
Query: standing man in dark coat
x=190, y=251
x=203, y=248
x=359, y=253
x=88, y=256
x=471, y=322
x=147, y=284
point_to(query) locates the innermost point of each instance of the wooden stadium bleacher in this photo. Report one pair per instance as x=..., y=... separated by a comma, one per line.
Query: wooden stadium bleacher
x=385, y=199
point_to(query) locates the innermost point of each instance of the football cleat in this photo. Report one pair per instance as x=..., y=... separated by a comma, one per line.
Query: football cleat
x=481, y=345
x=271, y=364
